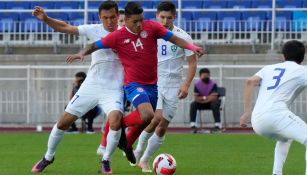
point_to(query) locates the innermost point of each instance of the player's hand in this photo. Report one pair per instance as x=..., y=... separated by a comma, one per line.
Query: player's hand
x=243, y=119
x=39, y=13
x=71, y=58
x=183, y=92
x=199, y=51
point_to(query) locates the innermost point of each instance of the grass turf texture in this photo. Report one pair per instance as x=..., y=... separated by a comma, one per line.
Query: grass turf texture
x=220, y=154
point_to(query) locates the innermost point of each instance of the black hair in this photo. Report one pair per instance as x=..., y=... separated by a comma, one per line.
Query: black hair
x=81, y=74
x=108, y=5
x=204, y=70
x=133, y=8
x=121, y=12
x=167, y=6
x=294, y=51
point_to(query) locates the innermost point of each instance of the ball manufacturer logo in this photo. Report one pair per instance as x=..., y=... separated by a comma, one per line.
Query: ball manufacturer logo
x=144, y=34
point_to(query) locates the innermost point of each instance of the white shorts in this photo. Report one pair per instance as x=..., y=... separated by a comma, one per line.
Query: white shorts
x=168, y=101
x=92, y=94
x=280, y=125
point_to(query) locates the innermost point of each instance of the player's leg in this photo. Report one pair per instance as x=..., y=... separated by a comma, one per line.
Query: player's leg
x=54, y=139
x=111, y=102
x=293, y=127
x=280, y=156
x=146, y=134
x=82, y=102
x=144, y=99
x=148, y=131
x=281, y=125
x=139, y=97
x=102, y=147
x=170, y=102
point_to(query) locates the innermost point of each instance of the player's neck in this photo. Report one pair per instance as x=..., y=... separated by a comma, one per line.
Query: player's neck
x=130, y=31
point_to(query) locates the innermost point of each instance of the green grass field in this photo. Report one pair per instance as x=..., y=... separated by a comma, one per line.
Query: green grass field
x=200, y=154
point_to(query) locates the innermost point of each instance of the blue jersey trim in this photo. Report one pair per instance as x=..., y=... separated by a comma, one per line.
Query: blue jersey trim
x=168, y=35
x=99, y=45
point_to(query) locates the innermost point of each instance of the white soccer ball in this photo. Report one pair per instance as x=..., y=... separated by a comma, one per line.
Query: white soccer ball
x=164, y=164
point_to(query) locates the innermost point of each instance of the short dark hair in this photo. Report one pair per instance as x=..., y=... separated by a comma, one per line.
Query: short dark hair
x=121, y=12
x=167, y=6
x=108, y=5
x=133, y=8
x=204, y=70
x=81, y=74
x=294, y=51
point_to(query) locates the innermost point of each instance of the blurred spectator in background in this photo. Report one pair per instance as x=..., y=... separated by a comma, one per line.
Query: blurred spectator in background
x=205, y=97
x=121, y=17
x=87, y=118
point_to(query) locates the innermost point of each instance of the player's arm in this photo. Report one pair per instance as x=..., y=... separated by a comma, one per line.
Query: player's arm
x=57, y=25
x=250, y=83
x=86, y=51
x=186, y=45
x=71, y=94
x=184, y=89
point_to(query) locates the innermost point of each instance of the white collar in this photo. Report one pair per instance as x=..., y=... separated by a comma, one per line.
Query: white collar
x=130, y=31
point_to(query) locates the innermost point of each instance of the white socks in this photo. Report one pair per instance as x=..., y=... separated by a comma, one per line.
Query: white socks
x=281, y=152
x=143, y=138
x=154, y=144
x=55, y=138
x=112, y=140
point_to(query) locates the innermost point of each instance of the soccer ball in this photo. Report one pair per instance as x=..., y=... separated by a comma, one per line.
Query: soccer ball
x=164, y=164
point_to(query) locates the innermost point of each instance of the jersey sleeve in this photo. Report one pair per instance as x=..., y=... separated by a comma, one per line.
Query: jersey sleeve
x=260, y=73
x=83, y=30
x=108, y=41
x=161, y=32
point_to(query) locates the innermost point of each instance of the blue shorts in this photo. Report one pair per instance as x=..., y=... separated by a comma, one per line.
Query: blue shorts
x=138, y=94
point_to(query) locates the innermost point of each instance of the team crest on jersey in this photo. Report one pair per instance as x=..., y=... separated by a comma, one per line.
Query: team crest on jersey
x=144, y=34
x=140, y=89
x=174, y=48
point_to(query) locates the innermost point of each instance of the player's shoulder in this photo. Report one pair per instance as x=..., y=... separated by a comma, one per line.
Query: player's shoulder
x=181, y=33
x=92, y=28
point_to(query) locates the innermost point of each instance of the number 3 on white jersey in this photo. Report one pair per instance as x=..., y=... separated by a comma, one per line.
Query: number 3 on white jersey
x=277, y=78
x=137, y=44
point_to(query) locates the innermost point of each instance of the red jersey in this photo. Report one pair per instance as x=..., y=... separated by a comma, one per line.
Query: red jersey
x=137, y=52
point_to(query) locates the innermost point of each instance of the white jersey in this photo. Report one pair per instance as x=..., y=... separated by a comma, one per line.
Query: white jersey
x=171, y=60
x=106, y=68
x=280, y=85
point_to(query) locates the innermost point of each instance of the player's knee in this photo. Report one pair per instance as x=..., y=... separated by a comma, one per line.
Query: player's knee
x=115, y=121
x=147, y=116
x=63, y=125
x=66, y=121
x=115, y=124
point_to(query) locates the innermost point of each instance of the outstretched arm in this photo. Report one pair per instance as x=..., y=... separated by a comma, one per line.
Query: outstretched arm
x=186, y=45
x=184, y=89
x=86, y=51
x=248, y=95
x=57, y=25
x=80, y=56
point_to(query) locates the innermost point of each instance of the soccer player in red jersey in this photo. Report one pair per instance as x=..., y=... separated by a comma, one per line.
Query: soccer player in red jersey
x=136, y=46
